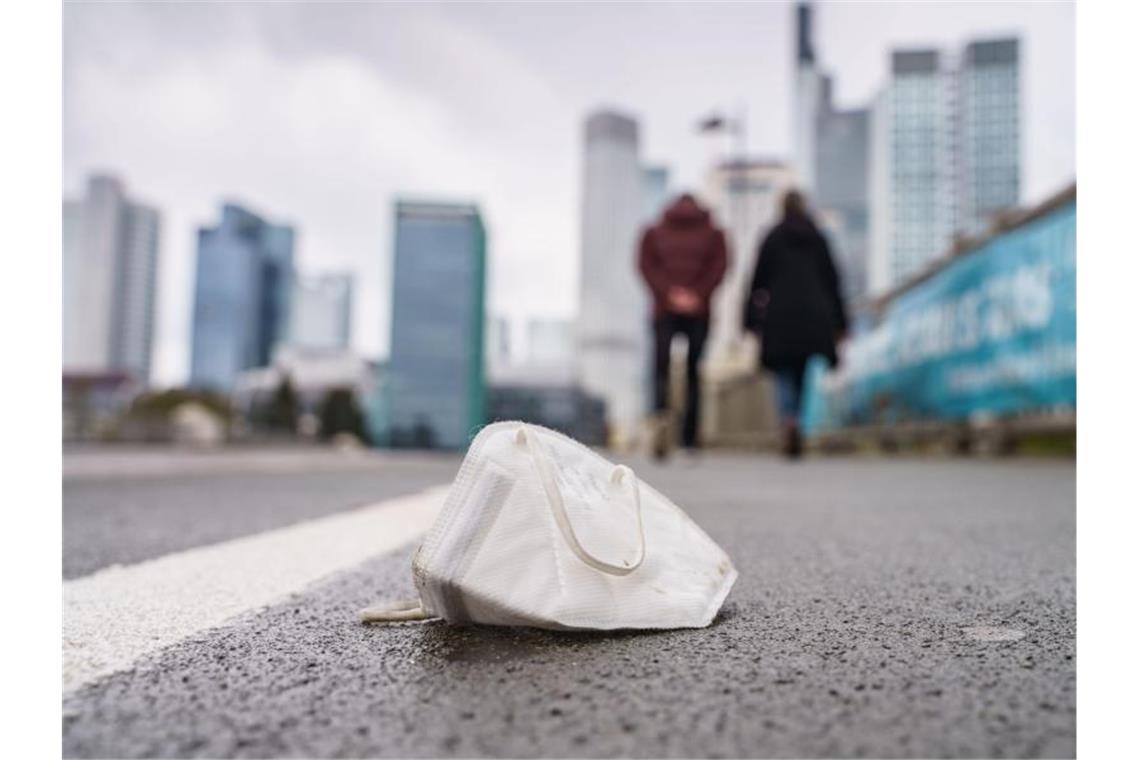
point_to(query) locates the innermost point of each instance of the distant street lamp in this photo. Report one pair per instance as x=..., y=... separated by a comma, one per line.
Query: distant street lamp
x=717, y=123
x=735, y=168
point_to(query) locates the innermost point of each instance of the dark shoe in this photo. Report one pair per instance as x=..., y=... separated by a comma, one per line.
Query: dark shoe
x=660, y=436
x=793, y=442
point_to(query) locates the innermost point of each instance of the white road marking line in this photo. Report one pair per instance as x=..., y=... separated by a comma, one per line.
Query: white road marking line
x=119, y=614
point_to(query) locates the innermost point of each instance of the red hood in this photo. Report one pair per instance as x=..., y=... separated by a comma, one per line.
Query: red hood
x=685, y=212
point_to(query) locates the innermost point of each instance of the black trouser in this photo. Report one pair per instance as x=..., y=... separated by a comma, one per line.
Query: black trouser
x=695, y=330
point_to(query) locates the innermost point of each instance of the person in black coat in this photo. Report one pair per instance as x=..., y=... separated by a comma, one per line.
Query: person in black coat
x=795, y=308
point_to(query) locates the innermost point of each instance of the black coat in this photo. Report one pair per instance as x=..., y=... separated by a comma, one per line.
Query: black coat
x=794, y=304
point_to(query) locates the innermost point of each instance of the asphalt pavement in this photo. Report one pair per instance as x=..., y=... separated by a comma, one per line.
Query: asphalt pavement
x=121, y=507
x=884, y=608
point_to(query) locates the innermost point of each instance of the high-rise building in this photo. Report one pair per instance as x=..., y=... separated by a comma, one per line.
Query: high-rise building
x=947, y=158
x=613, y=303
x=73, y=250
x=843, y=187
x=434, y=388
x=242, y=292
x=320, y=311
x=921, y=157
x=744, y=198
x=655, y=192
x=547, y=396
x=501, y=350
x=881, y=219
x=805, y=101
x=110, y=262
x=989, y=163
x=134, y=343
x=550, y=342
x=832, y=147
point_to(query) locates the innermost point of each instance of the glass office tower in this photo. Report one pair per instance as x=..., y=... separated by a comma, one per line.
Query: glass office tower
x=241, y=296
x=947, y=153
x=434, y=388
x=922, y=161
x=989, y=126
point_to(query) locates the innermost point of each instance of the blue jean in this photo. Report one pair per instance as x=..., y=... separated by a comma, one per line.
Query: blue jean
x=789, y=393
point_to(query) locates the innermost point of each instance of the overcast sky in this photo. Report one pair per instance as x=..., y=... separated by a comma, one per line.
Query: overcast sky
x=320, y=114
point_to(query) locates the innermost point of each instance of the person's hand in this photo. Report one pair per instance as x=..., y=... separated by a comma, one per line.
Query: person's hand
x=840, y=349
x=684, y=301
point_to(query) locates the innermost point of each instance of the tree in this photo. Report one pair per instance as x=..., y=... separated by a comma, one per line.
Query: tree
x=150, y=416
x=163, y=403
x=340, y=413
x=281, y=412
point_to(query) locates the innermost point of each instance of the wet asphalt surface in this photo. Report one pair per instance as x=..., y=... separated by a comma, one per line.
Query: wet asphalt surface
x=849, y=633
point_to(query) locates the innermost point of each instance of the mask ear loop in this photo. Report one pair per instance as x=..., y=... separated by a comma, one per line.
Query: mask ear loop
x=402, y=611
x=526, y=438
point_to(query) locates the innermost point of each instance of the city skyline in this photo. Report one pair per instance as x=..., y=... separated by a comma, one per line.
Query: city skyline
x=251, y=81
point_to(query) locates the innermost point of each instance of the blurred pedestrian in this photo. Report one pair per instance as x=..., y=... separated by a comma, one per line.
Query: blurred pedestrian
x=795, y=308
x=683, y=258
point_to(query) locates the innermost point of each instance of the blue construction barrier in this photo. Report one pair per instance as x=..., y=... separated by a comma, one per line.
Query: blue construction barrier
x=993, y=332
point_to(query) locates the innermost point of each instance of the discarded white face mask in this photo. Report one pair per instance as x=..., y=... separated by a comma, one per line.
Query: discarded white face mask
x=539, y=530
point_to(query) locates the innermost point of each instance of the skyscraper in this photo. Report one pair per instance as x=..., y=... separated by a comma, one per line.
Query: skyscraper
x=500, y=344
x=110, y=262
x=843, y=187
x=613, y=305
x=948, y=155
x=320, y=311
x=921, y=157
x=832, y=147
x=241, y=296
x=655, y=192
x=805, y=101
x=434, y=389
x=989, y=157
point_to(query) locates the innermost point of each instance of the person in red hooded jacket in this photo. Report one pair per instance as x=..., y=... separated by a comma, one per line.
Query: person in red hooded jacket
x=683, y=258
